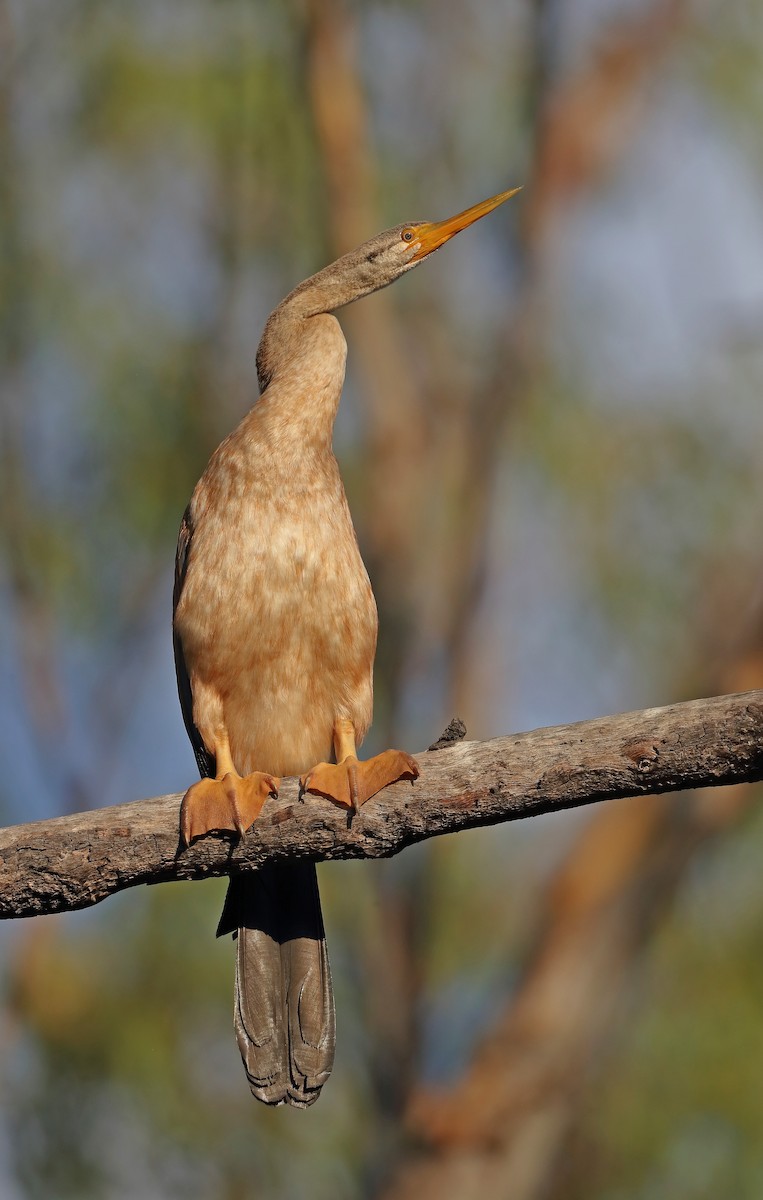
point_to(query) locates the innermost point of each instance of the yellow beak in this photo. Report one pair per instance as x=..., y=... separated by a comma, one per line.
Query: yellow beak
x=432, y=235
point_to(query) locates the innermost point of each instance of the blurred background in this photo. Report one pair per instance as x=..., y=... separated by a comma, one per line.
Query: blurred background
x=552, y=440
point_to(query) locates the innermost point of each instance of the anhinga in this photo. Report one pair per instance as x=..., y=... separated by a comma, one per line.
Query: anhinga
x=275, y=633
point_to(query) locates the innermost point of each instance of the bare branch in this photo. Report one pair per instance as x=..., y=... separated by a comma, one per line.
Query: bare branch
x=75, y=861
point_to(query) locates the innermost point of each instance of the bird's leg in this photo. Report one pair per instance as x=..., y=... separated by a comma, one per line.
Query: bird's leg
x=349, y=781
x=229, y=801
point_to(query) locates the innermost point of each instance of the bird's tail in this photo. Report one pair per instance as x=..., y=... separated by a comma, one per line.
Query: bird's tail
x=284, y=1002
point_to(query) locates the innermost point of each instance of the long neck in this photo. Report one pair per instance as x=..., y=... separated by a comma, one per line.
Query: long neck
x=300, y=363
x=349, y=278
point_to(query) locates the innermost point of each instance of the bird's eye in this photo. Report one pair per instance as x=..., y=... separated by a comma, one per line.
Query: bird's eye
x=408, y=235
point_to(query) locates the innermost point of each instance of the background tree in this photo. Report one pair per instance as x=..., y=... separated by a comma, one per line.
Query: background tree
x=551, y=439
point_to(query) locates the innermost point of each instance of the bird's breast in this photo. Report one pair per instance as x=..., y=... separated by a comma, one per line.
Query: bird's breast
x=276, y=611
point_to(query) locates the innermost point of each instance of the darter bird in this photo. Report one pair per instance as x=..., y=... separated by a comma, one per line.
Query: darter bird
x=275, y=634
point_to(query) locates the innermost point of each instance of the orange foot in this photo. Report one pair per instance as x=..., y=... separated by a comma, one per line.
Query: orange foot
x=232, y=803
x=352, y=782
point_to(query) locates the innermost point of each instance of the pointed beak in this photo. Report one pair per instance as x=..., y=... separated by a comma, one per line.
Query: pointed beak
x=432, y=236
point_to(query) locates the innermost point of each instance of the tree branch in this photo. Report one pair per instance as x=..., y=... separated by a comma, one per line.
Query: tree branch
x=75, y=861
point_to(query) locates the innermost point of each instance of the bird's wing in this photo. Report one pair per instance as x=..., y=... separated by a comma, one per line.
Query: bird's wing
x=205, y=760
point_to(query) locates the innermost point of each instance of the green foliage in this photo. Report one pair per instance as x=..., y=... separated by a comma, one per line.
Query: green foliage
x=161, y=186
x=679, y=1111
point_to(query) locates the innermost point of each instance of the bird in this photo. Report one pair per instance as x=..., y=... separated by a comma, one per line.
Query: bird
x=274, y=632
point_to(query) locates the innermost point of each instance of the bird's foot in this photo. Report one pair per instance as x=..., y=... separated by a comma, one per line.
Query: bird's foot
x=231, y=803
x=351, y=782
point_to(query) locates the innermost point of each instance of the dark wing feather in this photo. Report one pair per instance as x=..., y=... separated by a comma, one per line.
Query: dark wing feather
x=205, y=760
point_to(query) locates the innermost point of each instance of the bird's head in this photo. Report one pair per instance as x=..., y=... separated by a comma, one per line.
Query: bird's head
x=375, y=264
x=392, y=253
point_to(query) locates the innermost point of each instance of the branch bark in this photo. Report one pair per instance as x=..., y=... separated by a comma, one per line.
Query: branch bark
x=74, y=861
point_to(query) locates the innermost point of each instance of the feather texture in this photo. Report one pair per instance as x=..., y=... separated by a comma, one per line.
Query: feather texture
x=275, y=633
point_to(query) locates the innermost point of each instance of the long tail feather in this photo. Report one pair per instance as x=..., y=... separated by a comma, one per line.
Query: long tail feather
x=284, y=1002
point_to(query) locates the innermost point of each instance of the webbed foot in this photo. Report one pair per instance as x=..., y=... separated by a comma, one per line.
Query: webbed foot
x=351, y=782
x=231, y=803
